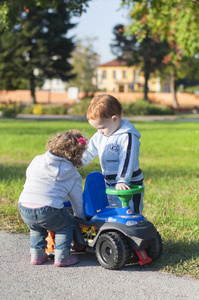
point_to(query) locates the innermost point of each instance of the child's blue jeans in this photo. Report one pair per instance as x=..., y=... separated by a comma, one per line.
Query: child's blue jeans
x=39, y=220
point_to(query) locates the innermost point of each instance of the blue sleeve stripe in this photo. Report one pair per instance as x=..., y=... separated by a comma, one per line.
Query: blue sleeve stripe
x=126, y=163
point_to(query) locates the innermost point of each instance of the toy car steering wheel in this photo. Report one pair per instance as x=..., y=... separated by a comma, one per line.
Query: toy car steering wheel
x=126, y=195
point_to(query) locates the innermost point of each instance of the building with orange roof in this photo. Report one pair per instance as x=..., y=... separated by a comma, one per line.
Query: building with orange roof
x=117, y=76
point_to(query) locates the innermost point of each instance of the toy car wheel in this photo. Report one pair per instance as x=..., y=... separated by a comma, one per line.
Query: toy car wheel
x=155, y=249
x=112, y=250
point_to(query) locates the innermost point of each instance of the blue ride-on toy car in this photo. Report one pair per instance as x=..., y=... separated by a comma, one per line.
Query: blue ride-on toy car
x=114, y=233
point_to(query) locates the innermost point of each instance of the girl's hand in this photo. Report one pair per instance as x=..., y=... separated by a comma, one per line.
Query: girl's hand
x=122, y=186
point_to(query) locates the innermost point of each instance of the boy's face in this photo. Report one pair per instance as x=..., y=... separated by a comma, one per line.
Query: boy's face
x=106, y=126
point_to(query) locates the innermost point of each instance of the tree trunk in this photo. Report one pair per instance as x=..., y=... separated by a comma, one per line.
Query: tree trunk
x=146, y=78
x=173, y=90
x=32, y=89
x=50, y=91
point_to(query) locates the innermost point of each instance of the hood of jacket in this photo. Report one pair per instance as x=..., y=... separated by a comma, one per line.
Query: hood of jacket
x=127, y=127
x=54, y=166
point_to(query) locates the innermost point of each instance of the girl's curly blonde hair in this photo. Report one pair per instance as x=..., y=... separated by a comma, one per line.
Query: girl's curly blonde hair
x=70, y=145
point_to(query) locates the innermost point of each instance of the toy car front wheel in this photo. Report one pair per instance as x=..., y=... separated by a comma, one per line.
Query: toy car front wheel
x=155, y=249
x=112, y=250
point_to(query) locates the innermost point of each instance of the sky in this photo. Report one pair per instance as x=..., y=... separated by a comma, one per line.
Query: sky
x=98, y=22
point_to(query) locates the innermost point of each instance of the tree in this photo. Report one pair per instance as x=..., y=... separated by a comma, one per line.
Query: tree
x=188, y=74
x=36, y=48
x=173, y=21
x=10, y=10
x=148, y=54
x=85, y=61
x=12, y=63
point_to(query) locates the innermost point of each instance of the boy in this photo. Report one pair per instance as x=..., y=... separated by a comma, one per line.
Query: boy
x=117, y=144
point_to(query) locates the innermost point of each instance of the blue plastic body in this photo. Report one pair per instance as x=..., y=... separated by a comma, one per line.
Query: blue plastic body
x=96, y=203
x=94, y=195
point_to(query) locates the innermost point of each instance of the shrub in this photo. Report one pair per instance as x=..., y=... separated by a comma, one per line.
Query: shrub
x=144, y=108
x=54, y=110
x=38, y=109
x=28, y=110
x=80, y=108
x=2, y=106
x=11, y=111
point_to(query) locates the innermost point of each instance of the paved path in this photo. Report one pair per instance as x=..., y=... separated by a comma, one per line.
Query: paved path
x=85, y=281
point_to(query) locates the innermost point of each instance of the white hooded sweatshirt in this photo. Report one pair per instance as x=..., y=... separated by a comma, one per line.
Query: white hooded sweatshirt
x=118, y=154
x=50, y=180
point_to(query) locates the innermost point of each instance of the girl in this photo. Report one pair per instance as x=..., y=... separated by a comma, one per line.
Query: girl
x=50, y=179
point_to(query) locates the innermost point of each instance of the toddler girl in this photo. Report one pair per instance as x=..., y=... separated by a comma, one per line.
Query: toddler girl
x=50, y=179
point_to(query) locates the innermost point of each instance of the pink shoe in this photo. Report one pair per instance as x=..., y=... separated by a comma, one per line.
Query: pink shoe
x=38, y=259
x=64, y=262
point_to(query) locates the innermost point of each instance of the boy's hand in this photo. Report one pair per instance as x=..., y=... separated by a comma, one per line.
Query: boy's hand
x=122, y=186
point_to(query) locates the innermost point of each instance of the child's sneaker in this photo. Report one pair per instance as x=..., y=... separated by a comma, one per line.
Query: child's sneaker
x=64, y=262
x=38, y=259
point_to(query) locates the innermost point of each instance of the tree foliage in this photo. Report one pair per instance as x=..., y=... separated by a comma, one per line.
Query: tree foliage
x=173, y=20
x=85, y=61
x=10, y=10
x=36, y=47
x=147, y=54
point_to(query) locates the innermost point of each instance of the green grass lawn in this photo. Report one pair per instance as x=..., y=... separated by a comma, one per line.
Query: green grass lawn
x=170, y=162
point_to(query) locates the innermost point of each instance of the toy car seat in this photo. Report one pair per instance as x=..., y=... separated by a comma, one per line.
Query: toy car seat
x=94, y=194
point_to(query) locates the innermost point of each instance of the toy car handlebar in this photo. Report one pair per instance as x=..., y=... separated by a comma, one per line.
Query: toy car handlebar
x=126, y=195
x=134, y=189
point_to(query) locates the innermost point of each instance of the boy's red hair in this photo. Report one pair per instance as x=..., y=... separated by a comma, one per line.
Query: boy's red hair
x=103, y=107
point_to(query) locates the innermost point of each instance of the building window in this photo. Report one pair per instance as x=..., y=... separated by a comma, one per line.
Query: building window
x=124, y=74
x=114, y=74
x=104, y=74
x=121, y=88
x=136, y=74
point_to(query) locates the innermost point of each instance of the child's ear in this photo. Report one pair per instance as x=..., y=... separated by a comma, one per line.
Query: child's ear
x=115, y=118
